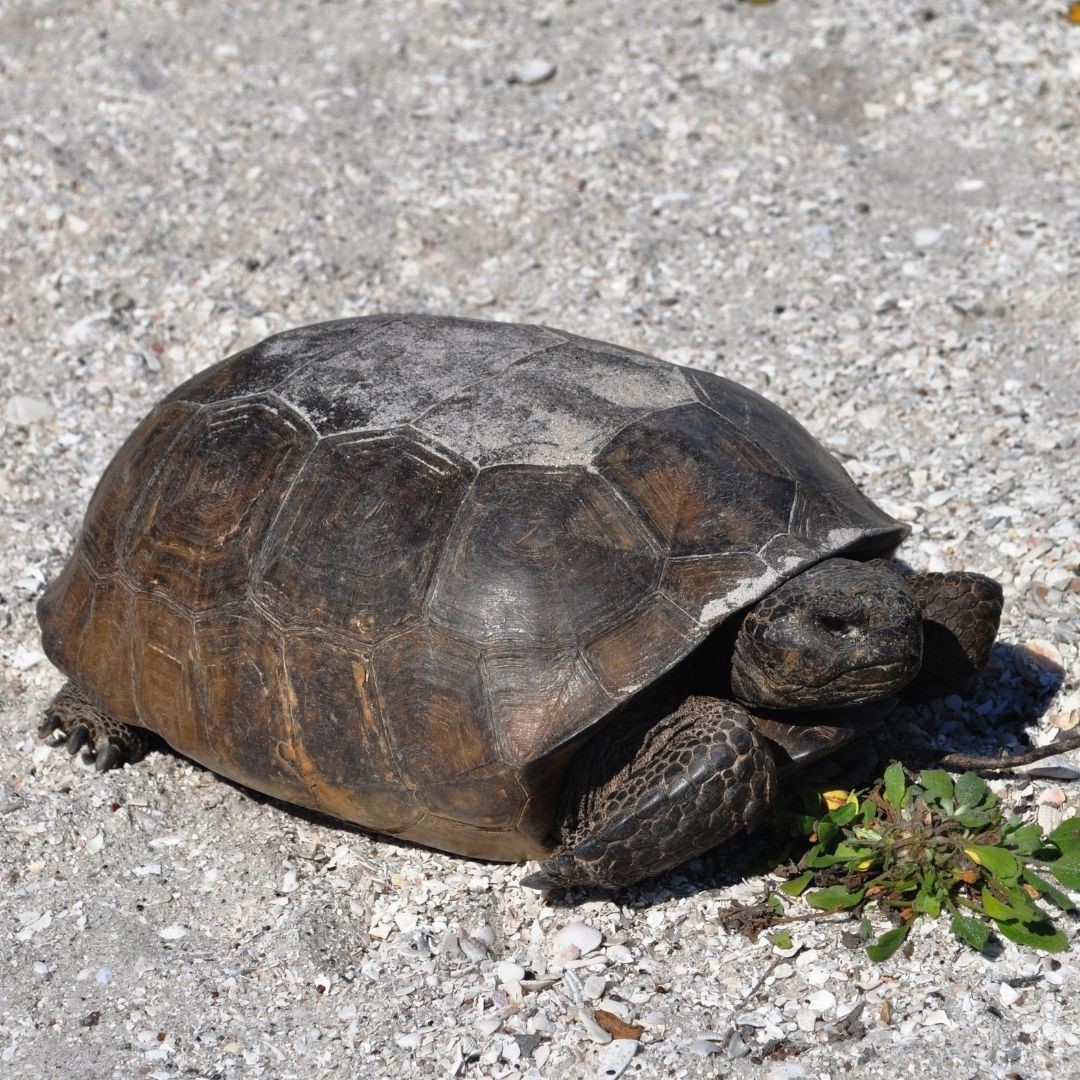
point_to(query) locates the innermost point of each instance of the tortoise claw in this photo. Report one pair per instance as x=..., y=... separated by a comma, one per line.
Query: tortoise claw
x=108, y=757
x=77, y=739
x=49, y=724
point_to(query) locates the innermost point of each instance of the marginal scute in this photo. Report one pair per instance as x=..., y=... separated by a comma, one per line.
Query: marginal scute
x=104, y=664
x=431, y=695
x=205, y=517
x=787, y=554
x=64, y=613
x=490, y=797
x=248, y=717
x=166, y=674
x=503, y=845
x=341, y=747
x=544, y=557
x=712, y=586
x=343, y=555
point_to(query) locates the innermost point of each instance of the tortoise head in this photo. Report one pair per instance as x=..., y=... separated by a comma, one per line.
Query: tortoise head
x=841, y=633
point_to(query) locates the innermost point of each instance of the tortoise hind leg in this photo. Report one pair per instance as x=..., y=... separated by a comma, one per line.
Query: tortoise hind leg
x=83, y=726
x=648, y=794
x=961, y=612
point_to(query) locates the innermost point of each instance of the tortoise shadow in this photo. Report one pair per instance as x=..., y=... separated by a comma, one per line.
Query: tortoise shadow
x=1013, y=693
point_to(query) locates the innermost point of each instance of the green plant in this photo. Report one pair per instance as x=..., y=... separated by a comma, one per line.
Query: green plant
x=933, y=846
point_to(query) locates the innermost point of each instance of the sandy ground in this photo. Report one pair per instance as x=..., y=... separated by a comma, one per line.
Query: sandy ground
x=869, y=212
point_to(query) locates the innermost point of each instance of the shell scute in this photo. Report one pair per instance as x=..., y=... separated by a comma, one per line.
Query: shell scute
x=205, y=517
x=359, y=535
x=545, y=557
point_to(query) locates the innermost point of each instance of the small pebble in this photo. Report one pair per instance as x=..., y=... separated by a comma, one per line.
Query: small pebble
x=473, y=951
x=1038, y=661
x=1007, y=994
x=25, y=410
x=821, y=1002
x=787, y=1070
x=577, y=939
x=507, y=972
x=1054, y=797
x=704, y=1047
x=592, y=1028
x=615, y=1057
x=534, y=72
x=925, y=238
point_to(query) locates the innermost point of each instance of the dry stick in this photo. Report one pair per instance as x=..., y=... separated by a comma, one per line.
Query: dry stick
x=761, y=982
x=1001, y=763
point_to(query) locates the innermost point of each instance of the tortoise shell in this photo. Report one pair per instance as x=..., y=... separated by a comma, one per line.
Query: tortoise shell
x=395, y=568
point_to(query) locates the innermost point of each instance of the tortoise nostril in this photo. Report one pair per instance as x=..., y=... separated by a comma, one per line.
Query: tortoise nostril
x=835, y=624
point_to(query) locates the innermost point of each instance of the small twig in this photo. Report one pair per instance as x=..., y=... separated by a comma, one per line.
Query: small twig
x=1001, y=763
x=761, y=982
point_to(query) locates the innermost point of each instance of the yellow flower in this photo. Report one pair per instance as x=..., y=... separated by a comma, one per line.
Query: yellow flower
x=836, y=798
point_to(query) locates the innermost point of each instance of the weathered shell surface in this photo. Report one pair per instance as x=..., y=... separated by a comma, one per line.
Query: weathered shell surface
x=390, y=567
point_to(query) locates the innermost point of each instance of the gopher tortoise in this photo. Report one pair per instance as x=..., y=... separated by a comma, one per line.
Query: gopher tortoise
x=495, y=589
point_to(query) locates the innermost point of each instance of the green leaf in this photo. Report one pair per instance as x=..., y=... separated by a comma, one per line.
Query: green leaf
x=899, y=885
x=816, y=859
x=998, y=861
x=804, y=824
x=865, y=833
x=781, y=939
x=834, y=898
x=1067, y=870
x=1042, y=934
x=1067, y=836
x=888, y=943
x=1048, y=890
x=775, y=905
x=928, y=904
x=828, y=834
x=796, y=886
x=971, y=931
x=852, y=851
x=1027, y=840
x=1026, y=909
x=970, y=790
x=895, y=785
x=995, y=908
x=973, y=819
x=842, y=815
x=938, y=786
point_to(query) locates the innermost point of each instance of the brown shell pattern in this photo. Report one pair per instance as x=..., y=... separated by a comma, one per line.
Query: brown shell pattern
x=391, y=568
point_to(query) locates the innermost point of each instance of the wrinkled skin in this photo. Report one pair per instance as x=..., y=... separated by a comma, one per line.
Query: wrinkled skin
x=843, y=633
